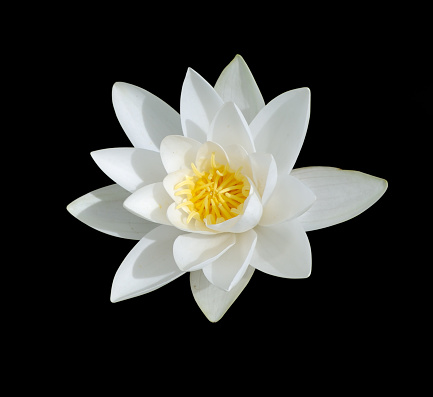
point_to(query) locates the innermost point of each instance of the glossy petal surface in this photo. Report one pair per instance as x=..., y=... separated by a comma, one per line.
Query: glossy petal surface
x=194, y=251
x=289, y=199
x=283, y=250
x=280, y=127
x=341, y=194
x=150, y=202
x=236, y=84
x=229, y=127
x=130, y=168
x=148, y=266
x=144, y=117
x=178, y=152
x=199, y=103
x=228, y=269
x=103, y=210
x=213, y=301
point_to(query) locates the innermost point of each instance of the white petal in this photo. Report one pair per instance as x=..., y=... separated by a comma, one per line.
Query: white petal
x=227, y=270
x=178, y=152
x=150, y=202
x=289, y=200
x=247, y=220
x=144, y=117
x=130, y=168
x=194, y=251
x=238, y=157
x=172, y=179
x=178, y=218
x=199, y=103
x=236, y=84
x=280, y=127
x=204, y=154
x=229, y=127
x=265, y=174
x=103, y=210
x=283, y=250
x=213, y=301
x=341, y=194
x=148, y=266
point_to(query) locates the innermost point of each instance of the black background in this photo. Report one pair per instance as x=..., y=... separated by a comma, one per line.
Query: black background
x=368, y=111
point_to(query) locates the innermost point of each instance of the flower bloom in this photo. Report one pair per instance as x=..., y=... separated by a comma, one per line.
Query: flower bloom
x=213, y=192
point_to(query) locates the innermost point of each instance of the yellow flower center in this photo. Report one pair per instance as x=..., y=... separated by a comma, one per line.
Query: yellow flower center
x=213, y=196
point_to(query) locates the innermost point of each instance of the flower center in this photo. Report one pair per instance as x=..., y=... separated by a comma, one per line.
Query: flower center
x=213, y=196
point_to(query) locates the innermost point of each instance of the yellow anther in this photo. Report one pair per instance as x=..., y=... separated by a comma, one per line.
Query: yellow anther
x=193, y=214
x=184, y=204
x=184, y=191
x=214, y=195
x=234, y=197
x=212, y=161
x=196, y=171
x=183, y=183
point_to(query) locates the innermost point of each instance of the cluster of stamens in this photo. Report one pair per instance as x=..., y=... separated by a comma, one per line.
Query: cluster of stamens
x=213, y=196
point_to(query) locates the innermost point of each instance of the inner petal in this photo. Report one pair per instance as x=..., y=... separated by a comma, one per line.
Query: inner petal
x=213, y=194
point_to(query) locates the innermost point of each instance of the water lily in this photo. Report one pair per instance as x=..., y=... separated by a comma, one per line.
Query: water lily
x=213, y=191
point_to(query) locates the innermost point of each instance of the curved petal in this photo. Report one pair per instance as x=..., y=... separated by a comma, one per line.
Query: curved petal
x=172, y=179
x=178, y=218
x=199, y=103
x=236, y=84
x=265, y=174
x=238, y=157
x=227, y=270
x=283, y=250
x=247, y=220
x=178, y=152
x=289, y=200
x=150, y=202
x=341, y=194
x=130, y=168
x=229, y=127
x=204, y=154
x=103, y=210
x=280, y=127
x=144, y=117
x=148, y=266
x=194, y=251
x=213, y=301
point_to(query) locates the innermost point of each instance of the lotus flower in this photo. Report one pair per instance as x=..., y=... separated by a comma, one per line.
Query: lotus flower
x=213, y=191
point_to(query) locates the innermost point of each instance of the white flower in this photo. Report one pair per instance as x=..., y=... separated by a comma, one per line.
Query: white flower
x=213, y=191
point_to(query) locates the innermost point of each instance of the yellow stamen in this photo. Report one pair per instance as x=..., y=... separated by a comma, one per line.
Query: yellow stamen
x=213, y=195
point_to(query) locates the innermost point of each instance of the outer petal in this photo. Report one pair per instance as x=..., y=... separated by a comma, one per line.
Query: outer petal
x=229, y=127
x=283, y=250
x=130, y=168
x=236, y=84
x=341, y=194
x=280, y=127
x=194, y=251
x=148, y=266
x=144, y=117
x=150, y=202
x=103, y=210
x=289, y=199
x=247, y=220
x=199, y=103
x=227, y=270
x=213, y=301
x=265, y=174
x=178, y=152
